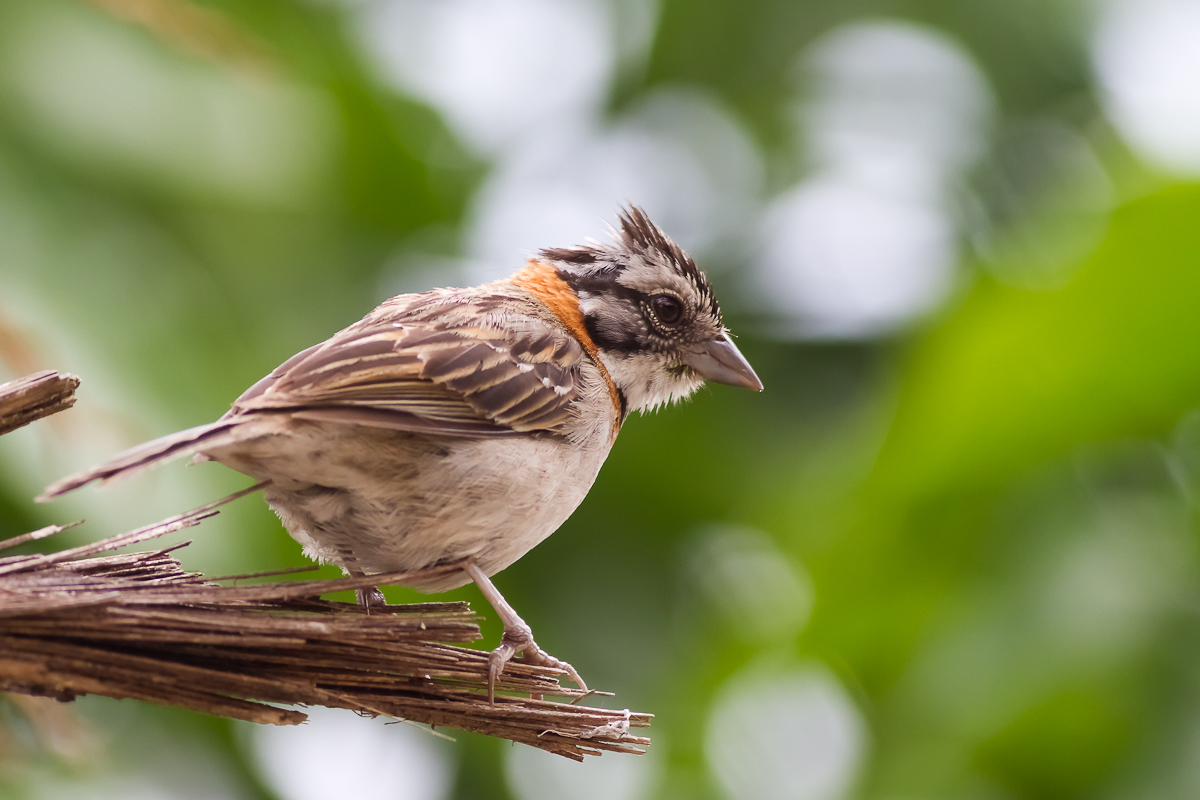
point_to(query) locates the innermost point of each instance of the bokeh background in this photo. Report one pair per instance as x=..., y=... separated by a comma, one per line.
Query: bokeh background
x=950, y=552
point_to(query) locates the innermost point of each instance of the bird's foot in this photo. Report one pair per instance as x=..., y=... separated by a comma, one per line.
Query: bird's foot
x=519, y=639
x=370, y=597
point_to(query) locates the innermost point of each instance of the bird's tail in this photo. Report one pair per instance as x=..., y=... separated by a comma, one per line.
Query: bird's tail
x=145, y=455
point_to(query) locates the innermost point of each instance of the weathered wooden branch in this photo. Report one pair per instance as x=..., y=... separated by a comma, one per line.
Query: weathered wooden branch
x=137, y=625
x=35, y=396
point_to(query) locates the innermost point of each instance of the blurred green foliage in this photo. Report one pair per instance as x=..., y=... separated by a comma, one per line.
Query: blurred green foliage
x=995, y=507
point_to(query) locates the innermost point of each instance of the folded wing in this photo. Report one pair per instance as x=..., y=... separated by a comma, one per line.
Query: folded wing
x=431, y=365
x=428, y=376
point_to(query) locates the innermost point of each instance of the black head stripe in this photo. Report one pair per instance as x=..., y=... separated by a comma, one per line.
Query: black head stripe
x=610, y=340
x=601, y=283
x=596, y=270
x=572, y=255
x=640, y=235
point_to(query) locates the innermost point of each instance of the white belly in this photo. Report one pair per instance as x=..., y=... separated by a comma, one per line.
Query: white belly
x=374, y=500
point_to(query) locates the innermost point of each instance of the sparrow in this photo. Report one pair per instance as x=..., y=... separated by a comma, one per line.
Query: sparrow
x=448, y=432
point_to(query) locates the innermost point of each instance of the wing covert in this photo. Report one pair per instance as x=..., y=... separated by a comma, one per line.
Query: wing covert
x=434, y=373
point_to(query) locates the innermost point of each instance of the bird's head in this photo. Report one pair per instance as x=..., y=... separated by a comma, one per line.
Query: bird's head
x=652, y=314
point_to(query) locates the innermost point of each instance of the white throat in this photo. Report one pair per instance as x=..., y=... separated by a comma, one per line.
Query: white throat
x=641, y=377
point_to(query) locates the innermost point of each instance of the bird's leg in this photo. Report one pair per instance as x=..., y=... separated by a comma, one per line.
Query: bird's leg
x=517, y=638
x=369, y=597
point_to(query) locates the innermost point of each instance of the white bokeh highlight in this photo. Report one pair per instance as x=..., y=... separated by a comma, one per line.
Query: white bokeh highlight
x=679, y=154
x=1148, y=63
x=866, y=242
x=785, y=733
x=524, y=83
x=1050, y=200
x=898, y=104
x=758, y=590
x=844, y=260
x=495, y=69
x=337, y=753
x=534, y=774
x=1104, y=588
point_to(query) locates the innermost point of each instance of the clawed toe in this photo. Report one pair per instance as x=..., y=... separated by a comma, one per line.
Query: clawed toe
x=520, y=640
x=536, y=655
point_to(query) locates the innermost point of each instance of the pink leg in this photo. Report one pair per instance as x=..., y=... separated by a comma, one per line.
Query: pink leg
x=518, y=638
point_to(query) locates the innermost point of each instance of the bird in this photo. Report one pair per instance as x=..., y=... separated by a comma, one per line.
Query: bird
x=450, y=431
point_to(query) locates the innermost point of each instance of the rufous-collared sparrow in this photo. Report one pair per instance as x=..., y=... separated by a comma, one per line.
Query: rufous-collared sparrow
x=448, y=432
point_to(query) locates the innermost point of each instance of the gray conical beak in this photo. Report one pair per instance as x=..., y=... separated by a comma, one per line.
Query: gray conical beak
x=719, y=360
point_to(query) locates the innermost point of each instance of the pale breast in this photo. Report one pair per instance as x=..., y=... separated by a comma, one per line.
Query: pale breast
x=374, y=500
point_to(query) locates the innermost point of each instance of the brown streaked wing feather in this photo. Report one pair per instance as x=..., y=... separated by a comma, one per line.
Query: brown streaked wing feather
x=268, y=381
x=421, y=376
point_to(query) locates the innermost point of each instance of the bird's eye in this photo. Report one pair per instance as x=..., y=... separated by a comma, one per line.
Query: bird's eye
x=668, y=309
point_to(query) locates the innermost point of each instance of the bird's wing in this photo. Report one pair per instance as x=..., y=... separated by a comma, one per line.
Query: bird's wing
x=433, y=365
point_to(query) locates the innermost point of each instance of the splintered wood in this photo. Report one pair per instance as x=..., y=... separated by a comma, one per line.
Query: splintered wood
x=137, y=625
x=35, y=396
